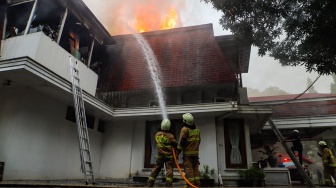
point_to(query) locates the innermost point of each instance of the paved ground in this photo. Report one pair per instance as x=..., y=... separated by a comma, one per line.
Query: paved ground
x=100, y=183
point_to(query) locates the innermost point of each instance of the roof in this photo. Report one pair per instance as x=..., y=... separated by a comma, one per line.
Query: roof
x=188, y=56
x=308, y=104
x=290, y=97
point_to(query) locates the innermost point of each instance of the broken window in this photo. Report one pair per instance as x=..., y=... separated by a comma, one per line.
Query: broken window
x=17, y=18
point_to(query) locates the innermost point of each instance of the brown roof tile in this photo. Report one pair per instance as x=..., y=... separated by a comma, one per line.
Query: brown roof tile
x=187, y=56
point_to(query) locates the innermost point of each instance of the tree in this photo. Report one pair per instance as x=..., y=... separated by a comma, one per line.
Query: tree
x=311, y=89
x=296, y=33
x=333, y=85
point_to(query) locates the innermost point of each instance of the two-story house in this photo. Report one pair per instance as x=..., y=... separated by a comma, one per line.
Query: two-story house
x=200, y=74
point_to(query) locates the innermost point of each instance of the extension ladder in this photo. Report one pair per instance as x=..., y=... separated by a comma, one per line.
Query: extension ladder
x=290, y=153
x=83, y=135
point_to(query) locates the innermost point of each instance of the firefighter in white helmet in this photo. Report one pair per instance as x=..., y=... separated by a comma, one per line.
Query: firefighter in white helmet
x=297, y=145
x=329, y=164
x=164, y=141
x=190, y=139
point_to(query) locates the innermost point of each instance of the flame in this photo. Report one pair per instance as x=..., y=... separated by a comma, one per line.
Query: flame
x=171, y=20
x=147, y=21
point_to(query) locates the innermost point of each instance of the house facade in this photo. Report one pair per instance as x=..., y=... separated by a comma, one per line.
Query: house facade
x=200, y=74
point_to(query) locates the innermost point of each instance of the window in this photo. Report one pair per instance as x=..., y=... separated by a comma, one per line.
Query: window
x=235, y=148
x=152, y=128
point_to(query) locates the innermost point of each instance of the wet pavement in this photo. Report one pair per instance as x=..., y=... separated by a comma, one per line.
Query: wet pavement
x=104, y=183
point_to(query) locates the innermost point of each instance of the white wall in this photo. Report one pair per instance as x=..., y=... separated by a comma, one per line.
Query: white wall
x=36, y=141
x=208, y=150
x=117, y=149
x=48, y=53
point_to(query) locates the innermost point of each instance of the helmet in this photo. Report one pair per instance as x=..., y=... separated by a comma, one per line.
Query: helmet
x=188, y=119
x=322, y=143
x=165, y=125
x=295, y=131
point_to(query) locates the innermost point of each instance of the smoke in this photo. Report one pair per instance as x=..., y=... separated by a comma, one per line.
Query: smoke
x=115, y=15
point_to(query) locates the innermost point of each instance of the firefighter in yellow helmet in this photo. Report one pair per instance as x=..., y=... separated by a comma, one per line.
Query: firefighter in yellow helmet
x=329, y=164
x=190, y=139
x=164, y=141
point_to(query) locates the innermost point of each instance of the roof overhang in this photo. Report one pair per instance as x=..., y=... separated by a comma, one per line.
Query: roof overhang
x=237, y=53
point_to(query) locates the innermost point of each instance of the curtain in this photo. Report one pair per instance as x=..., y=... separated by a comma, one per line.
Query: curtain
x=235, y=156
x=153, y=130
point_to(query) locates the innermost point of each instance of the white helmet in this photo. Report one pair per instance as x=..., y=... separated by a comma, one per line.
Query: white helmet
x=296, y=131
x=165, y=125
x=322, y=143
x=188, y=119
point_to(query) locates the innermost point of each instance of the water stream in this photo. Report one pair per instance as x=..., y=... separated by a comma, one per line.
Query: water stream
x=153, y=68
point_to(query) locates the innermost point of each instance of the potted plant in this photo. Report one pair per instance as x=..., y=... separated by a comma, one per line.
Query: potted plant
x=207, y=174
x=270, y=152
x=252, y=177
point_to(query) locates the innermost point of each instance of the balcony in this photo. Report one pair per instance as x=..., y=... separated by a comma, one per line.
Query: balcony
x=50, y=55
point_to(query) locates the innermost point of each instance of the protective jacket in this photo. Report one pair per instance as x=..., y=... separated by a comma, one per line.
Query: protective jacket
x=165, y=141
x=328, y=158
x=190, y=139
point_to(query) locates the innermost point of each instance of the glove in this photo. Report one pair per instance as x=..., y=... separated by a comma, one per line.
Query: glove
x=319, y=154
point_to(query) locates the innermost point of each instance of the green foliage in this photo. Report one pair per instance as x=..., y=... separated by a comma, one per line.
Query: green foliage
x=252, y=173
x=294, y=32
x=206, y=173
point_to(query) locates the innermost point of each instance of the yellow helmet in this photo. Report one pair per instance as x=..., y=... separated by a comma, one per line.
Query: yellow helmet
x=165, y=125
x=188, y=119
x=322, y=143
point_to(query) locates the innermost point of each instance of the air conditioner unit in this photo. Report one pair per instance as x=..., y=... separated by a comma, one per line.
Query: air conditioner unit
x=221, y=99
x=153, y=103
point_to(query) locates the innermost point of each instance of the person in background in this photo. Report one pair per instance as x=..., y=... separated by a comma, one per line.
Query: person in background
x=297, y=145
x=329, y=164
x=190, y=139
x=164, y=141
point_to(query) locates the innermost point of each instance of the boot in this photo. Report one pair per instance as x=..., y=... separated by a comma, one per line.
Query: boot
x=169, y=184
x=150, y=183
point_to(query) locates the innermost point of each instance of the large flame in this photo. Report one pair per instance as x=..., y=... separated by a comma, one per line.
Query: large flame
x=145, y=21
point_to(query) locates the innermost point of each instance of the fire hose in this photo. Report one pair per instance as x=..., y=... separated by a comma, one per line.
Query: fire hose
x=179, y=169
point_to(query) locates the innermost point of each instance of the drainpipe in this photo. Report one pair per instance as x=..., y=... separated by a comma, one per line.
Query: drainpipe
x=31, y=18
x=91, y=50
x=65, y=15
x=4, y=25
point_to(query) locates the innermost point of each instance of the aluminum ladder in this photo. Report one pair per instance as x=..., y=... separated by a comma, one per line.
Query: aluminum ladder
x=83, y=134
x=290, y=153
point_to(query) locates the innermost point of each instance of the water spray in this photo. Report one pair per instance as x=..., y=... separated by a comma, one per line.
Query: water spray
x=152, y=65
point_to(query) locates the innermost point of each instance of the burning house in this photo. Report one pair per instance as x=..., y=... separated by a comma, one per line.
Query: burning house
x=199, y=73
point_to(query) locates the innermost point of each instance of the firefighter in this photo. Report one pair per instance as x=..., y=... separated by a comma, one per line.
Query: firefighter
x=164, y=141
x=329, y=164
x=189, y=142
x=297, y=145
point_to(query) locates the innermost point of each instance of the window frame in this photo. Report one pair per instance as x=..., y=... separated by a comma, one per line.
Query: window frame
x=242, y=144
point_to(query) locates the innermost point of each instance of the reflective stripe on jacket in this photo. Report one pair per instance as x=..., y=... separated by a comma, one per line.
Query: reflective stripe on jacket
x=193, y=140
x=164, y=142
x=328, y=158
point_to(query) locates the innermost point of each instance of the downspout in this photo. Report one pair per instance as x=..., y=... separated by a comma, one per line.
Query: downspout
x=4, y=25
x=65, y=15
x=31, y=18
x=131, y=154
x=91, y=50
